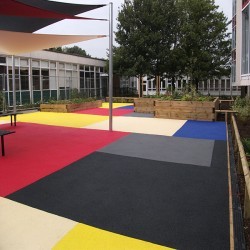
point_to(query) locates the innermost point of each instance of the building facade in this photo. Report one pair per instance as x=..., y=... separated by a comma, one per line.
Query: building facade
x=241, y=45
x=44, y=75
x=213, y=87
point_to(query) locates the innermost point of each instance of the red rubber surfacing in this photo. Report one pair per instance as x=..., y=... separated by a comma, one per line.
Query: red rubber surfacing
x=105, y=112
x=36, y=151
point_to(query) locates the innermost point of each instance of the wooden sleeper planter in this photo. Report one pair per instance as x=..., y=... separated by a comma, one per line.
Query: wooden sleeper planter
x=144, y=105
x=67, y=108
x=187, y=110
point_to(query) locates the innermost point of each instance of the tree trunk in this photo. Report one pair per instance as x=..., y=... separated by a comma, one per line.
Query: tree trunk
x=140, y=87
x=196, y=82
x=157, y=82
x=173, y=84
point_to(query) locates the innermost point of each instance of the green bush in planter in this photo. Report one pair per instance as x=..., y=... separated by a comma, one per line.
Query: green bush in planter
x=242, y=107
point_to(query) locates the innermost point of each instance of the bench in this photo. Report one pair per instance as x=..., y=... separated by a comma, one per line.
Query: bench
x=2, y=134
x=12, y=115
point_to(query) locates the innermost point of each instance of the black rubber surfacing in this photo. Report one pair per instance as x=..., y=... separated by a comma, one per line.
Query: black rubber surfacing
x=175, y=205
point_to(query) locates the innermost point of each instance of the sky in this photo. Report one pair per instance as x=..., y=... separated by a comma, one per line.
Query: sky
x=98, y=48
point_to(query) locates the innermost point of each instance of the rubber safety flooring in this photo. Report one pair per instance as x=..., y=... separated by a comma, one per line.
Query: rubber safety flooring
x=67, y=182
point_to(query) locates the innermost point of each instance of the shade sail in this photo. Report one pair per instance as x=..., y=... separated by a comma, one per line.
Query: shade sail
x=66, y=8
x=14, y=43
x=24, y=24
x=15, y=8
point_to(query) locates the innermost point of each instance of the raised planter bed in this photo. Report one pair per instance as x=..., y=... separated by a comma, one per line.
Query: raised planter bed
x=67, y=108
x=121, y=99
x=187, y=110
x=144, y=105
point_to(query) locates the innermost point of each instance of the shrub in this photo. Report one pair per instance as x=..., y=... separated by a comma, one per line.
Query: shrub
x=3, y=104
x=187, y=95
x=242, y=107
x=246, y=144
x=71, y=101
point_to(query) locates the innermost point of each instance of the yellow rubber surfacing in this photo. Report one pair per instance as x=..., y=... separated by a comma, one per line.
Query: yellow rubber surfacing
x=90, y=238
x=60, y=119
x=63, y=119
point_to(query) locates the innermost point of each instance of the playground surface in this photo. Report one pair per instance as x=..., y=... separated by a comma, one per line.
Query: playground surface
x=67, y=182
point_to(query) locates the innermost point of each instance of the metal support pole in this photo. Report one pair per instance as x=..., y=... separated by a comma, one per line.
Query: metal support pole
x=110, y=66
x=13, y=84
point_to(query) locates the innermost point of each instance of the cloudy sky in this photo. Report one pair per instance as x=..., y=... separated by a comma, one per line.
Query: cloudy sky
x=98, y=48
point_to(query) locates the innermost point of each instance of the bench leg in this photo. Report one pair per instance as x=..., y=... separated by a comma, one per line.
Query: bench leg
x=2, y=143
x=15, y=120
x=11, y=120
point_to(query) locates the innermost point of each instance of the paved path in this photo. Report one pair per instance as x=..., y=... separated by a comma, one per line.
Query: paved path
x=69, y=183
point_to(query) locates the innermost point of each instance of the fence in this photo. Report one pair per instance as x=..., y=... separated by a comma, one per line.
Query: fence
x=35, y=89
x=242, y=166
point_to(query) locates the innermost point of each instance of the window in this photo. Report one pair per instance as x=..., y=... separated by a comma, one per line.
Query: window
x=211, y=85
x=35, y=63
x=223, y=85
x=233, y=71
x=69, y=66
x=24, y=75
x=234, y=38
x=179, y=84
x=82, y=79
x=234, y=7
x=89, y=76
x=24, y=62
x=2, y=70
x=205, y=85
x=98, y=80
x=16, y=79
x=228, y=84
x=36, y=79
x=53, y=65
x=163, y=84
x=200, y=85
x=216, y=84
x=61, y=65
x=45, y=78
x=154, y=84
x=245, y=41
x=3, y=78
x=44, y=64
x=2, y=59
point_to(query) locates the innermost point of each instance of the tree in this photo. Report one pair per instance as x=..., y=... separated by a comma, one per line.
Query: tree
x=204, y=40
x=145, y=34
x=75, y=50
x=56, y=49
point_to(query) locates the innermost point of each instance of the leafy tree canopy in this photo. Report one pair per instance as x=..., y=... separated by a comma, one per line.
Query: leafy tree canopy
x=172, y=38
x=75, y=50
x=204, y=40
x=145, y=34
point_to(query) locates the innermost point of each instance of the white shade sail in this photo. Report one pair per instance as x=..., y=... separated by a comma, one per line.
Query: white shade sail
x=13, y=43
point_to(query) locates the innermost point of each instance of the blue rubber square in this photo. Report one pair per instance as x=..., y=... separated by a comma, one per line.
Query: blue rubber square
x=203, y=130
x=127, y=107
